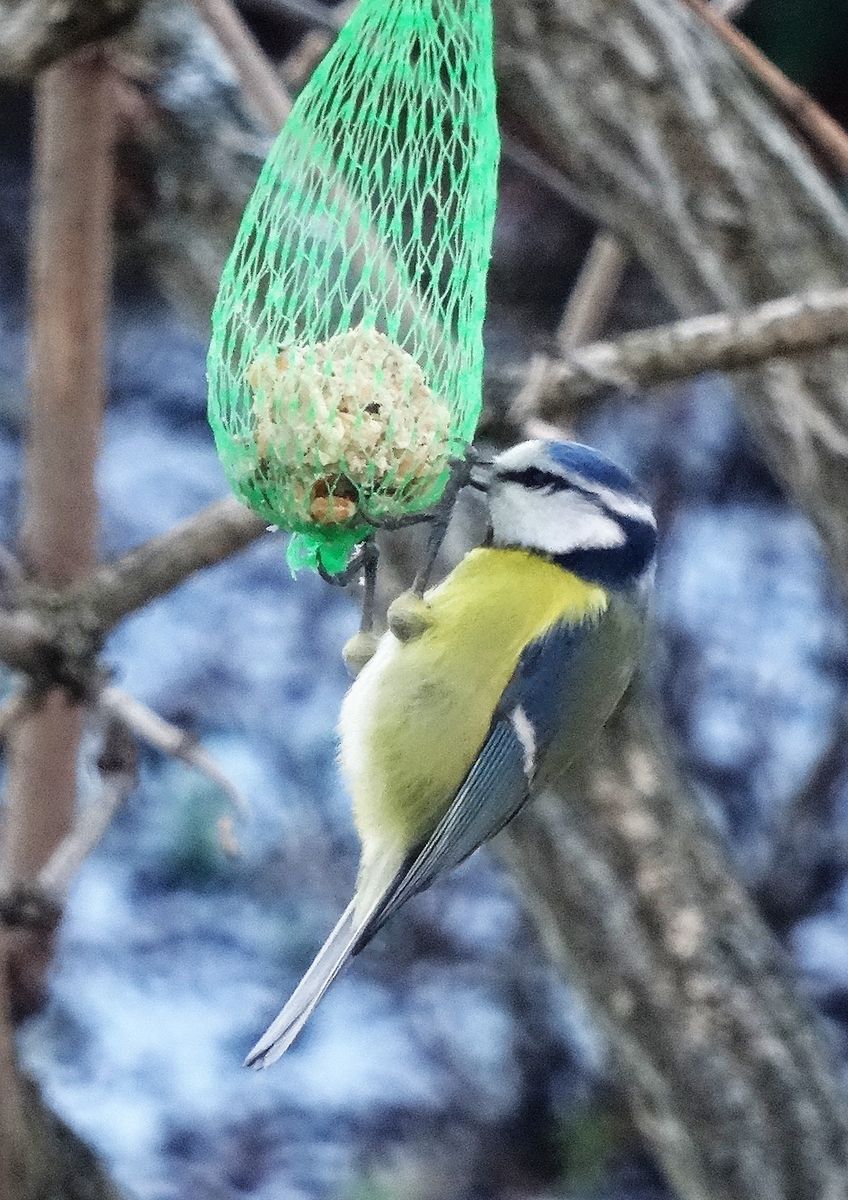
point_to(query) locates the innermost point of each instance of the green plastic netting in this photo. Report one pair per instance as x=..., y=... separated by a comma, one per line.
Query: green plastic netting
x=346, y=358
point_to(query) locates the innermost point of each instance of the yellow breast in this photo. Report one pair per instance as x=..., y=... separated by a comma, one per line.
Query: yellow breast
x=415, y=719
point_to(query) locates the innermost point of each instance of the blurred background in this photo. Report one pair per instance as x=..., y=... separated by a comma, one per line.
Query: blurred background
x=451, y=1061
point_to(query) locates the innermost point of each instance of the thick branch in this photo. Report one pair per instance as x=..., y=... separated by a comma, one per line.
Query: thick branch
x=71, y=263
x=725, y=1069
x=70, y=275
x=721, y=342
x=34, y=34
x=114, y=590
x=54, y=635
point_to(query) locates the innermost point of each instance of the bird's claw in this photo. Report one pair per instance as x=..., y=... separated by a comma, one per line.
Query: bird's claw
x=409, y=616
x=359, y=650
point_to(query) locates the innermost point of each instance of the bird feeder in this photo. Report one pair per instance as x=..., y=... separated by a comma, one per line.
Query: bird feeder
x=345, y=365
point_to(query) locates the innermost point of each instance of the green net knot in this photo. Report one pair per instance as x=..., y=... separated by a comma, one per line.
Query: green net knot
x=330, y=549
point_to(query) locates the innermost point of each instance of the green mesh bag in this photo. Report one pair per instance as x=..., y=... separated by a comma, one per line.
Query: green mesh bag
x=346, y=357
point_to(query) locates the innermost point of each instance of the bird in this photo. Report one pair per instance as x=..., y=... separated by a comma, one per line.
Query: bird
x=502, y=681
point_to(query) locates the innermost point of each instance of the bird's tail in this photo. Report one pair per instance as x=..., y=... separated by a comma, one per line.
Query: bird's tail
x=378, y=877
x=299, y=1008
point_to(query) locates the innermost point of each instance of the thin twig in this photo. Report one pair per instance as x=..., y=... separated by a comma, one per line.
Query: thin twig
x=303, y=59
x=593, y=293
x=118, y=767
x=161, y=734
x=39, y=904
x=260, y=82
x=539, y=169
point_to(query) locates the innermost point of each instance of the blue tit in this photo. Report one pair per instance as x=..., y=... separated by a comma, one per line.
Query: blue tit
x=523, y=653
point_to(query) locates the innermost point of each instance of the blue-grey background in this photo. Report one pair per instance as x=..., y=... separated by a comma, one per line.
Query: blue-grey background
x=449, y=1062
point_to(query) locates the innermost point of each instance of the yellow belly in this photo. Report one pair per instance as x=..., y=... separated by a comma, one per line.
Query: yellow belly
x=415, y=719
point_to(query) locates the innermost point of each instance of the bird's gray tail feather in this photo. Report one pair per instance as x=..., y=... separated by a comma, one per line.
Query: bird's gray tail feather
x=299, y=1008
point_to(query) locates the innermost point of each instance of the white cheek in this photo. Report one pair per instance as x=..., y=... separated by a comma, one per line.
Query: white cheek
x=555, y=523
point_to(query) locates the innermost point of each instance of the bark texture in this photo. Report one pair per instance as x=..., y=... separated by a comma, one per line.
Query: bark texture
x=71, y=263
x=728, y=1076
x=720, y=342
x=35, y=33
x=665, y=140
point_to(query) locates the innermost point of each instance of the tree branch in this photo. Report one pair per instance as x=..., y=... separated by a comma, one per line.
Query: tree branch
x=36, y=34
x=163, y=736
x=70, y=268
x=817, y=126
x=725, y=1067
x=118, y=767
x=114, y=590
x=593, y=293
x=722, y=342
x=54, y=636
x=260, y=83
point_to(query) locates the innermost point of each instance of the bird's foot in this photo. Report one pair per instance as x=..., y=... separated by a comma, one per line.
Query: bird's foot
x=359, y=650
x=409, y=616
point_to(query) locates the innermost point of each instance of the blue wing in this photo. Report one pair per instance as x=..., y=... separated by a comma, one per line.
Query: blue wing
x=527, y=718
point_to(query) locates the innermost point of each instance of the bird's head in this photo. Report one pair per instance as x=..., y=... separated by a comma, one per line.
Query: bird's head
x=574, y=506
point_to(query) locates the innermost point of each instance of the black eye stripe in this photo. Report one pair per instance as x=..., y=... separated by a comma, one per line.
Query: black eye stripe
x=537, y=479
x=546, y=481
